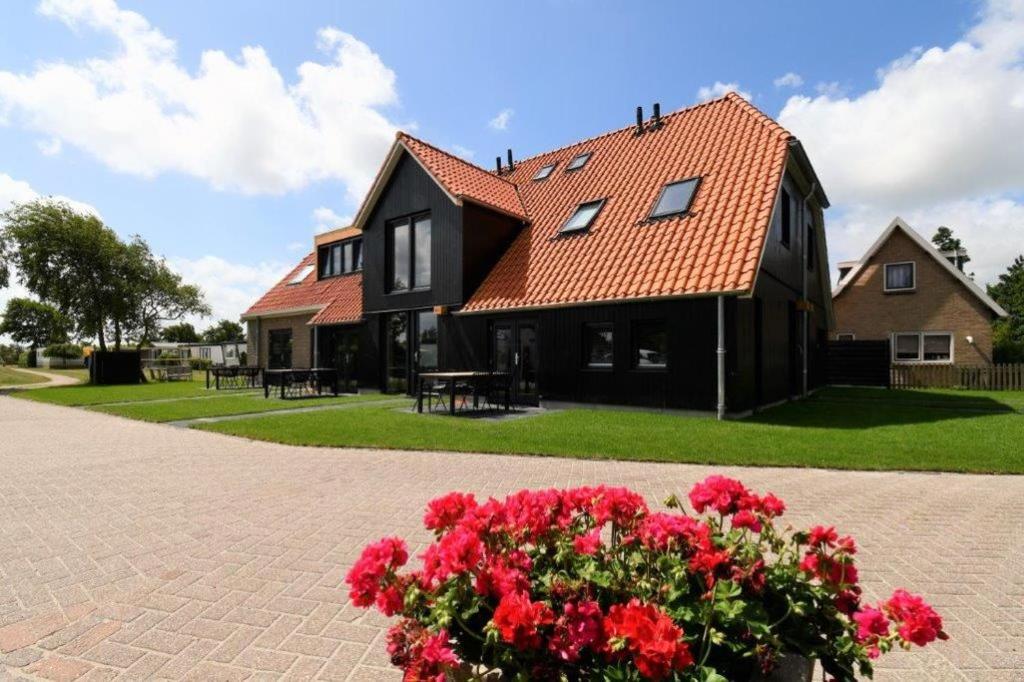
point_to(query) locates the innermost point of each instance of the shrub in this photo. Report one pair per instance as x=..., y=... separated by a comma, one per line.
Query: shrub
x=588, y=583
x=200, y=363
x=243, y=359
x=67, y=351
x=27, y=358
x=9, y=354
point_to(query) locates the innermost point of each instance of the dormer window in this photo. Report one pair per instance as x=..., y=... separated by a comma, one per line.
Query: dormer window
x=900, y=277
x=675, y=198
x=545, y=171
x=301, y=275
x=582, y=217
x=341, y=258
x=578, y=161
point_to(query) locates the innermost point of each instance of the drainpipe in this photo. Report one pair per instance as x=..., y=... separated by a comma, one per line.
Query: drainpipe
x=721, y=357
x=806, y=317
x=316, y=347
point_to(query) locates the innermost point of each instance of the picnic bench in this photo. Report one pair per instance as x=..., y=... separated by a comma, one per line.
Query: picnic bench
x=233, y=376
x=170, y=373
x=459, y=386
x=299, y=383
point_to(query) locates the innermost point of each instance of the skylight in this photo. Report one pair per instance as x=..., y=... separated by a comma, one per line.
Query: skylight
x=545, y=171
x=301, y=274
x=583, y=216
x=578, y=161
x=675, y=198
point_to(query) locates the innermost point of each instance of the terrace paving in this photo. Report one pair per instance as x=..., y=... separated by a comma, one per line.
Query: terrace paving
x=134, y=550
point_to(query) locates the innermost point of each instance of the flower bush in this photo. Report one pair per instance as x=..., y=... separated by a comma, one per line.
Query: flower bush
x=588, y=583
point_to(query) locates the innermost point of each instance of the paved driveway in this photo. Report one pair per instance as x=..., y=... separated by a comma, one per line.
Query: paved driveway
x=146, y=551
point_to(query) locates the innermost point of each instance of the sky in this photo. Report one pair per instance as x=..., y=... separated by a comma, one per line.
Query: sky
x=227, y=134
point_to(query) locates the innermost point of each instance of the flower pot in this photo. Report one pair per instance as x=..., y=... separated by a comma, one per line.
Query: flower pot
x=790, y=668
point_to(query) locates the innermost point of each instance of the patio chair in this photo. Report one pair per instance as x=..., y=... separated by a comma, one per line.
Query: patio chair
x=435, y=392
x=498, y=392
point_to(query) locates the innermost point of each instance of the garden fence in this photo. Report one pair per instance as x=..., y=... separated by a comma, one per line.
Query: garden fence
x=1003, y=377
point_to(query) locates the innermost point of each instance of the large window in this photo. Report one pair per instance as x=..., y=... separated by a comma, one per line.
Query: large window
x=397, y=352
x=426, y=332
x=934, y=347
x=341, y=258
x=675, y=198
x=409, y=253
x=900, y=277
x=598, y=345
x=650, y=345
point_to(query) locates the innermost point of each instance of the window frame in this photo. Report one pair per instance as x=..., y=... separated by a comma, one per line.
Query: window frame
x=654, y=215
x=537, y=177
x=920, y=348
x=586, y=156
x=902, y=290
x=634, y=338
x=325, y=257
x=409, y=222
x=586, y=345
x=585, y=227
x=851, y=335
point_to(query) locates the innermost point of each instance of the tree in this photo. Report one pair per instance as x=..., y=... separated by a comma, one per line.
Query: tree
x=1009, y=293
x=34, y=323
x=223, y=332
x=945, y=241
x=183, y=332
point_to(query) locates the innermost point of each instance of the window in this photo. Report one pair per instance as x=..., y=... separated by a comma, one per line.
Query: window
x=279, y=349
x=899, y=277
x=545, y=171
x=787, y=218
x=650, y=345
x=675, y=198
x=812, y=247
x=301, y=275
x=583, y=216
x=933, y=347
x=578, y=161
x=397, y=352
x=426, y=332
x=341, y=258
x=598, y=345
x=408, y=243
x=846, y=337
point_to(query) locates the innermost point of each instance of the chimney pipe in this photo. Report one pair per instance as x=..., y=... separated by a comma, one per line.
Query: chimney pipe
x=510, y=165
x=657, y=115
x=639, y=120
x=497, y=160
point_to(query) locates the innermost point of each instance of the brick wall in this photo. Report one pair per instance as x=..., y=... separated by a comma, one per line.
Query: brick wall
x=301, y=338
x=939, y=303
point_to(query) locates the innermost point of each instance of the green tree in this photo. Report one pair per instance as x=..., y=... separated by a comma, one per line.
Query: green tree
x=945, y=241
x=183, y=332
x=223, y=332
x=34, y=323
x=9, y=354
x=1009, y=293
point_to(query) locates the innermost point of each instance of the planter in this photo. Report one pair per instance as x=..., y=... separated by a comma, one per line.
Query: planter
x=791, y=668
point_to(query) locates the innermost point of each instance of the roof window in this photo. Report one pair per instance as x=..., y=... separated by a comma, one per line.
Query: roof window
x=578, y=161
x=582, y=217
x=675, y=198
x=545, y=171
x=301, y=275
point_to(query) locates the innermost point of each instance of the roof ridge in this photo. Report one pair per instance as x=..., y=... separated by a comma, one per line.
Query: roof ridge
x=609, y=133
x=402, y=133
x=752, y=110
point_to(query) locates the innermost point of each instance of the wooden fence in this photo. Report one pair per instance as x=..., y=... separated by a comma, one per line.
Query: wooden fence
x=1005, y=377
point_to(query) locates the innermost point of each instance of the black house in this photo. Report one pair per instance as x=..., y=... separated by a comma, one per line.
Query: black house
x=679, y=262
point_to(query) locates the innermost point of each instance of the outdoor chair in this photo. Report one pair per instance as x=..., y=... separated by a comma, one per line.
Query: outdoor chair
x=435, y=392
x=498, y=392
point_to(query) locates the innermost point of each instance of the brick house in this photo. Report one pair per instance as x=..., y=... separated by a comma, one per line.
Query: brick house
x=679, y=262
x=908, y=292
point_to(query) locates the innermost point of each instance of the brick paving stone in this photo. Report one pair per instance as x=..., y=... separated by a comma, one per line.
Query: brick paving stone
x=157, y=552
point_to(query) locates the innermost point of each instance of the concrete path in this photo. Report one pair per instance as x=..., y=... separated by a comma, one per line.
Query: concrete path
x=137, y=550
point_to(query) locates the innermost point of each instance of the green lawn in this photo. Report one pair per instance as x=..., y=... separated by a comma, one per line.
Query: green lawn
x=79, y=373
x=837, y=428
x=10, y=376
x=195, y=408
x=86, y=394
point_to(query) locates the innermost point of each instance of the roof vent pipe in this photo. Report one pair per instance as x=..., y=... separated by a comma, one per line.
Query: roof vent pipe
x=511, y=167
x=497, y=161
x=656, y=118
x=639, y=120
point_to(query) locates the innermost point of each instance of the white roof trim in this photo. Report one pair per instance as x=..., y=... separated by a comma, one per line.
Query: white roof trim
x=927, y=248
x=285, y=312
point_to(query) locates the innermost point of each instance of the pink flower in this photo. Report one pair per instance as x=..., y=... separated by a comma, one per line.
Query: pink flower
x=661, y=532
x=746, y=519
x=445, y=511
x=437, y=650
x=719, y=493
x=587, y=544
x=375, y=564
x=578, y=628
x=917, y=620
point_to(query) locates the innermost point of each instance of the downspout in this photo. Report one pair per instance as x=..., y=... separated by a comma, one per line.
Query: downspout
x=721, y=357
x=316, y=347
x=806, y=317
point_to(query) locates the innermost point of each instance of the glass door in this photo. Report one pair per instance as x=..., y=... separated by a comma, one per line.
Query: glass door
x=514, y=350
x=279, y=350
x=426, y=354
x=397, y=336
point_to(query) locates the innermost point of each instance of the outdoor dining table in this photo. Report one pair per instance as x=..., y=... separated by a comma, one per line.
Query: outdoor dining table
x=235, y=377
x=452, y=379
x=300, y=381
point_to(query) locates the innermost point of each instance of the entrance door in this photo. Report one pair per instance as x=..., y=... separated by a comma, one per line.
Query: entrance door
x=396, y=329
x=514, y=349
x=426, y=344
x=279, y=349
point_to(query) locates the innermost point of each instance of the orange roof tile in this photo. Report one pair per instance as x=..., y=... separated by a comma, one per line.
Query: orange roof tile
x=739, y=154
x=335, y=300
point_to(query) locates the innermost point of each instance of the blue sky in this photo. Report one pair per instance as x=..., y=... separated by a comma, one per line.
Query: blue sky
x=235, y=207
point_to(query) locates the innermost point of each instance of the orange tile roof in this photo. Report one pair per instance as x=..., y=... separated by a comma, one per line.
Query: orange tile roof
x=739, y=154
x=464, y=180
x=335, y=300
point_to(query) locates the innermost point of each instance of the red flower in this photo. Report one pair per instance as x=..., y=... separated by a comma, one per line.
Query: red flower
x=377, y=562
x=621, y=506
x=518, y=620
x=719, y=493
x=848, y=600
x=712, y=563
x=445, y=511
x=579, y=627
x=820, y=535
x=746, y=519
x=505, y=573
x=917, y=621
x=457, y=552
x=664, y=531
x=830, y=571
x=587, y=544
x=649, y=637
x=771, y=506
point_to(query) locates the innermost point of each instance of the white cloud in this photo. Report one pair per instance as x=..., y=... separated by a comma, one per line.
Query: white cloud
x=50, y=147
x=19, y=191
x=463, y=152
x=831, y=89
x=708, y=92
x=230, y=288
x=789, y=80
x=501, y=121
x=237, y=122
x=325, y=219
x=296, y=246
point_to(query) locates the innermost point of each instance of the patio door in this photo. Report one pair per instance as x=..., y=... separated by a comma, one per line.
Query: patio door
x=514, y=349
x=279, y=349
x=412, y=347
